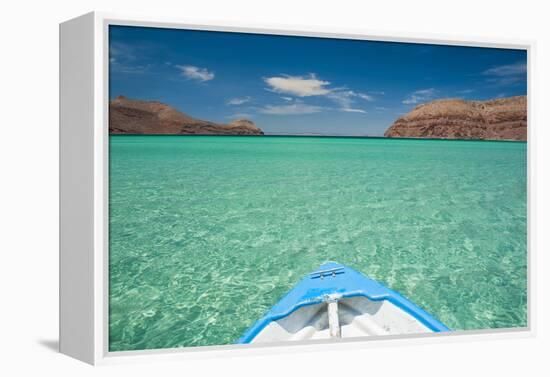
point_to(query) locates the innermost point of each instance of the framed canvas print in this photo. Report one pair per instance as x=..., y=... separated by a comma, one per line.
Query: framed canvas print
x=229, y=189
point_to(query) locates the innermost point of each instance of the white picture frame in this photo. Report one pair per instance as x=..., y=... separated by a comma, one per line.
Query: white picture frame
x=84, y=191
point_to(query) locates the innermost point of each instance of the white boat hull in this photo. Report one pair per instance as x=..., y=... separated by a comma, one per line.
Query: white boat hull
x=357, y=316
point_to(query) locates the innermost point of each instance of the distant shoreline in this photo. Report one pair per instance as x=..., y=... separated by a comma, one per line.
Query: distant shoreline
x=502, y=119
x=326, y=136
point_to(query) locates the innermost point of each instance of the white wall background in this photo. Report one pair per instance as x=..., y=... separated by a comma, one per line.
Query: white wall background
x=29, y=185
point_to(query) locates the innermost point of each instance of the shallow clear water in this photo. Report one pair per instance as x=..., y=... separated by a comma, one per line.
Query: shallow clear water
x=207, y=233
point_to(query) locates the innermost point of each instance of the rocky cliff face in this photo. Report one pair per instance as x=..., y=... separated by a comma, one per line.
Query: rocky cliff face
x=498, y=119
x=128, y=116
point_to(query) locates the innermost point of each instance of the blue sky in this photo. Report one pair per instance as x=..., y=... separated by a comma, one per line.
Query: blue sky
x=299, y=85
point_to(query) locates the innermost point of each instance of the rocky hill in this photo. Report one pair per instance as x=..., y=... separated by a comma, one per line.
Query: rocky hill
x=129, y=116
x=498, y=119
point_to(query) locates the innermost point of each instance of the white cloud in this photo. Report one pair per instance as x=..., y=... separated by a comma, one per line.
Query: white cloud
x=240, y=116
x=364, y=96
x=507, y=70
x=294, y=109
x=346, y=98
x=307, y=86
x=238, y=101
x=349, y=110
x=298, y=85
x=122, y=51
x=123, y=58
x=420, y=96
x=504, y=75
x=195, y=73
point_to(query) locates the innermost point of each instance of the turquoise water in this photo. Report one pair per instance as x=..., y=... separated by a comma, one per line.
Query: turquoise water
x=207, y=233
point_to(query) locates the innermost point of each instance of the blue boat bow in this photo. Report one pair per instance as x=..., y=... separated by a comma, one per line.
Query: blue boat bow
x=333, y=281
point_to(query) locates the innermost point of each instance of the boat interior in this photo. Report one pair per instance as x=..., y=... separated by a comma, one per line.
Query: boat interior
x=342, y=318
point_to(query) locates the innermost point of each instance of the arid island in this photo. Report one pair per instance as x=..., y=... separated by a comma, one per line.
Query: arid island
x=497, y=119
x=130, y=116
